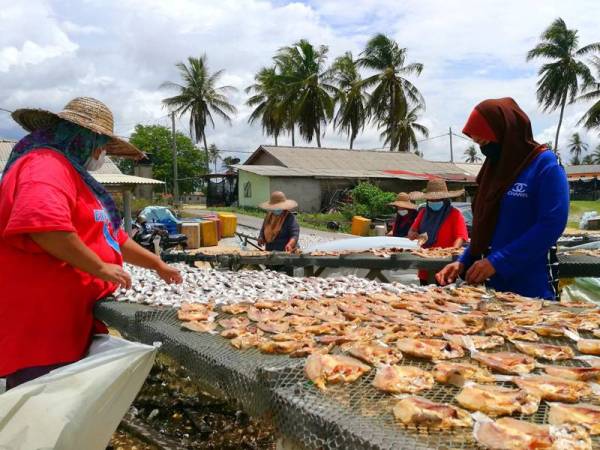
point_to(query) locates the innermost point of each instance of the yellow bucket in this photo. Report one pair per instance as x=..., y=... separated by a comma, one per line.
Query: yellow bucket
x=229, y=221
x=360, y=226
x=209, y=233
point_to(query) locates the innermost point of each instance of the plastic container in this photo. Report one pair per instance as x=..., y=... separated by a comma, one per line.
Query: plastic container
x=360, y=226
x=209, y=232
x=380, y=230
x=229, y=221
x=192, y=231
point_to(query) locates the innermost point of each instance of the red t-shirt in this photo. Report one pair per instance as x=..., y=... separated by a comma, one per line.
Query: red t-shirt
x=453, y=228
x=46, y=305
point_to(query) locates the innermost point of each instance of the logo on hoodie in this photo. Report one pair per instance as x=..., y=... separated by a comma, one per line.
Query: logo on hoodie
x=519, y=190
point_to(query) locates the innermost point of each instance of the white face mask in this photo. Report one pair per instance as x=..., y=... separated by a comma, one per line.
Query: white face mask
x=402, y=212
x=94, y=164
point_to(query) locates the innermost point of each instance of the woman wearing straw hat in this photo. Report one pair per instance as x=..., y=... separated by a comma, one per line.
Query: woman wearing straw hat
x=406, y=212
x=280, y=230
x=520, y=210
x=444, y=225
x=61, y=241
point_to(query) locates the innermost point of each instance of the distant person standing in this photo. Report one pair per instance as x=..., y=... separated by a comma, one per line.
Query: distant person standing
x=280, y=230
x=520, y=209
x=444, y=224
x=406, y=213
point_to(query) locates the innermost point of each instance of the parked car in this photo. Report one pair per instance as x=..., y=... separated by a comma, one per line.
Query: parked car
x=467, y=212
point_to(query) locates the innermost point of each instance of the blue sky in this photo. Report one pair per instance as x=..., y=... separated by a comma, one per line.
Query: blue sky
x=121, y=51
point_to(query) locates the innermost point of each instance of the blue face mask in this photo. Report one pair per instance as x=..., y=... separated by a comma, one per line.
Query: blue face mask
x=277, y=212
x=435, y=206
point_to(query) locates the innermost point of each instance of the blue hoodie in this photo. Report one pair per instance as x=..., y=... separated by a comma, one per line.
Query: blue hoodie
x=533, y=215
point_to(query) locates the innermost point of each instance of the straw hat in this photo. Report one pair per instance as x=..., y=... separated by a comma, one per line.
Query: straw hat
x=278, y=201
x=436, y=190
x=83, y=111
x=403, y=201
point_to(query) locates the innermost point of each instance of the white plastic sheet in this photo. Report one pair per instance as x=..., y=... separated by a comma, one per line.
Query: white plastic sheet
x=77, y=406
x=586, y=289
x=363, y=243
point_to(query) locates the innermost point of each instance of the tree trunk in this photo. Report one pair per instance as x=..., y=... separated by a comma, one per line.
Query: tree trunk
x=319, y=135
x=206, y=153
x=351, y=142
x=275, y=140
x=562, y=111
x=293, y=137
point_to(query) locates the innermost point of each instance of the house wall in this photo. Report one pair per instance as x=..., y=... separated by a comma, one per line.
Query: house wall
x=306, y=191
x=259, y=189
x=144, y=171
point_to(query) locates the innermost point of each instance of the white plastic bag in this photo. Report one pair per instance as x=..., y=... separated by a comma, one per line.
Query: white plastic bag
x=583, y=223
x=77, y=406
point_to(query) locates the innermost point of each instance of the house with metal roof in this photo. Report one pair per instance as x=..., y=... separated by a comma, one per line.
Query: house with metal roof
x=108, y=175
x=315, y=176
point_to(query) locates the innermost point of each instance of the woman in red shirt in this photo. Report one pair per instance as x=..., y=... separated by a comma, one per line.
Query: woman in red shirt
x=445, y=225
x=61, y=242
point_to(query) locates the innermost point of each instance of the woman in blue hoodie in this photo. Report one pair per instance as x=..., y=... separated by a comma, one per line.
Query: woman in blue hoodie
x=520, y=209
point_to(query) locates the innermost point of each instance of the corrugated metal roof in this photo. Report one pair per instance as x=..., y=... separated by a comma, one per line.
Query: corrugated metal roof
x=311, y=158
x=471, y=169
x=583, y=169
x=279, y=171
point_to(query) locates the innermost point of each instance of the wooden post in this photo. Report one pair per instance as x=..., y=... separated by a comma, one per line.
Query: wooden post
x=127, y=210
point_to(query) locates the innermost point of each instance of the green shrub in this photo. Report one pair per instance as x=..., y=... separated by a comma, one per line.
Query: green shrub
x=369, y=201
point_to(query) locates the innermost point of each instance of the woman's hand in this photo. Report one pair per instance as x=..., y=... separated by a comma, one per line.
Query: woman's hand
x=114, y=273
x=480, y=271
x=290, y=246
x=169, y=274
x=450, y=273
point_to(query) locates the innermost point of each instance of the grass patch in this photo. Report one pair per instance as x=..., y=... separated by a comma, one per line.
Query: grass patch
x=578, y=207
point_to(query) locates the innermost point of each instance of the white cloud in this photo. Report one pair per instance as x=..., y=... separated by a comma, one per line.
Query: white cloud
x=120, y=51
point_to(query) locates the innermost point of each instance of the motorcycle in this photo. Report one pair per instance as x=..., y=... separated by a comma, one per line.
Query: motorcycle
x=155, y=237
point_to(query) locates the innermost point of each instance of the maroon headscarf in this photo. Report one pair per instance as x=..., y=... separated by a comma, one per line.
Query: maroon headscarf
x=511, y=128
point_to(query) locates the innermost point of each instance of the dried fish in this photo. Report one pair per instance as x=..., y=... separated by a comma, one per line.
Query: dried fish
x=497, y=400
x=419, y=411
x=322, y=369
x=402, y=379
x=457, y=374
x=429, y=348
x=554, y=389
x=580, y=414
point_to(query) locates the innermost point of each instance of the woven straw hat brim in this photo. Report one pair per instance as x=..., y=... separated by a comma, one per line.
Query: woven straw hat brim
x=405, y=205
x=441, y=195
x=285, y=205
x=32, y=119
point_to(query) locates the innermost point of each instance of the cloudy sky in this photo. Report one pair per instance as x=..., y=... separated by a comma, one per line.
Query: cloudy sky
x=120, y=51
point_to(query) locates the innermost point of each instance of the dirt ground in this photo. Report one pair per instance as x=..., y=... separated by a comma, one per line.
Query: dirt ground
x=172, y=412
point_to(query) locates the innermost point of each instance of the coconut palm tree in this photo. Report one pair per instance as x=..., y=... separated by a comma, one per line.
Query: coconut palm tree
x=419, y=153
x=566, y=74
x=229, y=162
x=591, y=118
x=307, y=99
x=471, y=155
x=587, y=159
x=577, y=147
x=200, y=97
x=595, y=156
x=214, y=154
x=401, y=132
x=267, y=102
x=392, y=91
x=352, y=111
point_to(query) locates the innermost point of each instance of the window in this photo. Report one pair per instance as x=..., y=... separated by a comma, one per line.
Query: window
x=247, y=189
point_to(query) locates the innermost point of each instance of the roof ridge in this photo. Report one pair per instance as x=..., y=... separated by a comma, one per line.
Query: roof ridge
x=382, y=150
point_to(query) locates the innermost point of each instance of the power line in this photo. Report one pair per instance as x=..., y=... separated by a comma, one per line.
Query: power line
x=431, y=138
x=6, y=110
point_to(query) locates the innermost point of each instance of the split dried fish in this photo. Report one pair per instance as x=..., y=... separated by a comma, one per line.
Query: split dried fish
x=497, y=400
x=545, y=351
x=419, y=411
x=505, y=362
x=554, y=389
x=574, y=373
x=580, y=414
x=457, y=374
x=429, y=348
x=402, y=379
x=323, y=369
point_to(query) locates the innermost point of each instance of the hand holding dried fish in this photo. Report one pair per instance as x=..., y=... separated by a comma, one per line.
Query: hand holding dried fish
x=507, y=433
x=496, y=400
x=419, y=411
x=402, y=379
x=322, y=369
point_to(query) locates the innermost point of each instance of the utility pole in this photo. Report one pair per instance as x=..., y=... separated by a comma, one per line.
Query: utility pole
x=175, y=183
x=451, y=150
